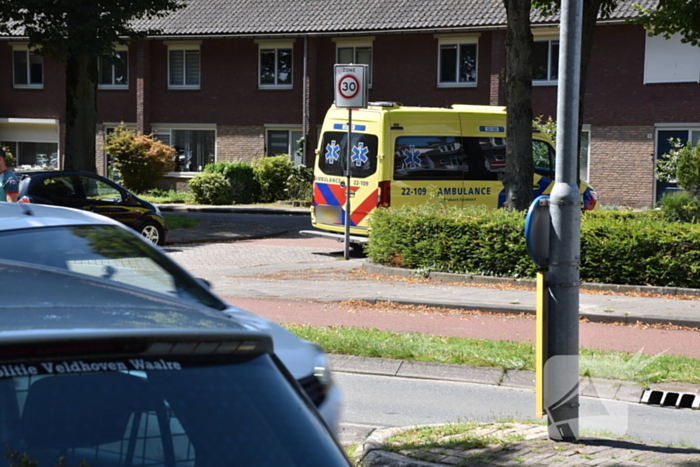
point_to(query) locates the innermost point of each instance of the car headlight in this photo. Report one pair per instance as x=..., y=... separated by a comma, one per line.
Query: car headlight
x=322, y=368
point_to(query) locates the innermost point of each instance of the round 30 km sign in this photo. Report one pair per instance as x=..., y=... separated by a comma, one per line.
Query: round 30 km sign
x=350, y=91
x=348, y=87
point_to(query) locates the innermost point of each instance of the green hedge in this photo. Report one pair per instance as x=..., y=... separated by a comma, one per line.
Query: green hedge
x=245, y=189
x=616, y=247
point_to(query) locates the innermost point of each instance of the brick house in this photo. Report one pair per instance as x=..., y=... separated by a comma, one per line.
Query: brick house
x=229, y=80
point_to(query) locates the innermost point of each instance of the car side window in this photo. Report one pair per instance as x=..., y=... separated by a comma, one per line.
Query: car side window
x=61, y=187
x=98, y=190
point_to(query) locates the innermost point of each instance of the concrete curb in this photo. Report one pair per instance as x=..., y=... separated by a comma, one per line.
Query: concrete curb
x=476, y=279
x=518, y=309
x=625, y=391
x=290, y=211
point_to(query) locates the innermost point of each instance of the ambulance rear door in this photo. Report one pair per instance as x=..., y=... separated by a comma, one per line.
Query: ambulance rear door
x=330, y=180
x=428, y=157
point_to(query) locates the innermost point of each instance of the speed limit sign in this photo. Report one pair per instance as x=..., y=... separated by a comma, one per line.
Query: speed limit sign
x=351, y=86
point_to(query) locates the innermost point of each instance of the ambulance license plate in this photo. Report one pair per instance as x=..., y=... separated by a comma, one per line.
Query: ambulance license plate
x=328, y=214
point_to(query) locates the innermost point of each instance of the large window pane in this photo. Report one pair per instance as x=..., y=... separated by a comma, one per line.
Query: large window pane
x=195, y=149
x=36, y=68
x=267, y=66
x=177, y=67
x=467, y=63
x=34, y=154
x=448, y=63
x=284, y=67
x=554, y=69
x=21, y=68
x=346, y=55
x=277, y=142
x=540, y=60
x=121, y=68
x=192, y=72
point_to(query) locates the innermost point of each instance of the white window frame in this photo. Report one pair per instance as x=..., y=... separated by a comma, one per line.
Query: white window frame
x=456, y=40
x=586, y=129
x=184, y=47
x=24, y=47
x=546, y=35
x=354, y=44
x=276, y=45
x=290, y=129
x=117, y=48
x=164, y=128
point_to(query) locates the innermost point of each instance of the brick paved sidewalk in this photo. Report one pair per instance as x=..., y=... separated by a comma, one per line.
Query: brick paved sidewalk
x=513, y=444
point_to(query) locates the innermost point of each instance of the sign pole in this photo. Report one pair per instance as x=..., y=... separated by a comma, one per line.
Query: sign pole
x=348, y=192
x=561, y=374
x=350, y=93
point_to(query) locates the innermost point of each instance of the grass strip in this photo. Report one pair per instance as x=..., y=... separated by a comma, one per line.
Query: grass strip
x=180, y=222
x=507, y=355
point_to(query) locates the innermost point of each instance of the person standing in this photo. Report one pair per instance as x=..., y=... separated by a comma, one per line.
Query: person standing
x=9, y=183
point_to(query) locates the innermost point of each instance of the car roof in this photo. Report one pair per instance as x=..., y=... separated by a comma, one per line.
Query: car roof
x=54, y=304
x=15, y=216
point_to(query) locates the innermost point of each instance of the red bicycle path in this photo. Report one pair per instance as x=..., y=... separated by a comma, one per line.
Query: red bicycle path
x=648, y=340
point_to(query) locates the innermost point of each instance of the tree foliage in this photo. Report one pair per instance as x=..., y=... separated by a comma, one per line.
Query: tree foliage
x=77, y=33
x=673, y=17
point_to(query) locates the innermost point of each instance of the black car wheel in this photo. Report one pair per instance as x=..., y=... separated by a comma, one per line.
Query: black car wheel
x=152, y=231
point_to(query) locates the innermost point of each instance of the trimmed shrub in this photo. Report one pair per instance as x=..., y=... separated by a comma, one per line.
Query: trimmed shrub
x=210, y=188
x=272, y=174
x=680, y=207
x=244, y=186
x=300, y=184
x=616, y=247
x=141, y=160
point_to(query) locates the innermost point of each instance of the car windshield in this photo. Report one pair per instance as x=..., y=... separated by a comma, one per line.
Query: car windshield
x=107, y=252
x=170, y=411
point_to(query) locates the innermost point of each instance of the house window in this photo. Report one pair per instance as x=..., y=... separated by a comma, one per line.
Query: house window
x=356, y=51
x=114, y=72
x=670, y=61
x=275, y=65
x=195, y=148
x=457, y=61
x=33, y=154
x=545, y=61
x=284, y=141
x=28, y=68
x=184, y=67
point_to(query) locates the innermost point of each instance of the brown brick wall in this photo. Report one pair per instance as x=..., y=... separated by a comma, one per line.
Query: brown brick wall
x=240, y=143
x=622, y=165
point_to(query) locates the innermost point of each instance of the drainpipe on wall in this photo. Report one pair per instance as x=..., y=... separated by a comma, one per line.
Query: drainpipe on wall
x=304, y=104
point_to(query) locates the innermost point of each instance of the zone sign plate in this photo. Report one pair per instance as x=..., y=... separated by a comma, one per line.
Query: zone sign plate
x=351, y=86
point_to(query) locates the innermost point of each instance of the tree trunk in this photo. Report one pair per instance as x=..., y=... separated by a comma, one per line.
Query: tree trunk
x=518, y=91
x=81, y=112
x=591, y=9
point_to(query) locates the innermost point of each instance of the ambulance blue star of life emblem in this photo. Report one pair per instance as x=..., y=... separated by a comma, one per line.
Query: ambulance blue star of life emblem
x=359, y=154
x=332, y=152
x=412, y=157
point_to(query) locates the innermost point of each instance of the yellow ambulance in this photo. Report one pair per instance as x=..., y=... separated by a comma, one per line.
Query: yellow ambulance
x=406, y=155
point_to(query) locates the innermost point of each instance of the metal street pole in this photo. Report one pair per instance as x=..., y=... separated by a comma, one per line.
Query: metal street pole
x=348, y=192
x=561, y=401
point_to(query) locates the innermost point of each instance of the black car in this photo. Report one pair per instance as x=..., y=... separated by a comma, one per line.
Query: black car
x=91, y=192
x=97, y=374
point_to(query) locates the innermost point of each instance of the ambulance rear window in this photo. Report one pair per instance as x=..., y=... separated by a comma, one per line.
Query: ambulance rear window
x=334, y=149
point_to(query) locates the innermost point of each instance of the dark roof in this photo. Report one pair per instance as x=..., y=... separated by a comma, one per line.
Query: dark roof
x=299, y=17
